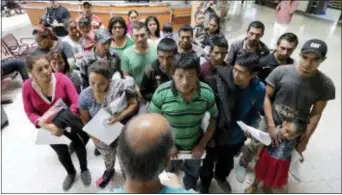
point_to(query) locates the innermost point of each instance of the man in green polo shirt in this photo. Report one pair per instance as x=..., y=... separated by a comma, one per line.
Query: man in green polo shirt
x=137, y=57
x=183, y=101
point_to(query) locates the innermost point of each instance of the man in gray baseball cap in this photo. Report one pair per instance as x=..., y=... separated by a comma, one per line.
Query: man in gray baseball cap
x=99, y=52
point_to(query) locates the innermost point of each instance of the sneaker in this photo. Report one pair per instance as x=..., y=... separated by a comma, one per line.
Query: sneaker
x=71, y=149
x=97, y=152
x=241, y=173
x=251, y=189
x=104, y=180
x=224, y=185
x=68, y=181
x=86, y=177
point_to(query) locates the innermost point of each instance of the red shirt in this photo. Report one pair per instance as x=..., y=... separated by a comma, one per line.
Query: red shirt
x=36, y=104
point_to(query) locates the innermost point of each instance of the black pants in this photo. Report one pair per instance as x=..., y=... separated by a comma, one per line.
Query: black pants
x=224, y=158
x=11, y=66
x=78, y=141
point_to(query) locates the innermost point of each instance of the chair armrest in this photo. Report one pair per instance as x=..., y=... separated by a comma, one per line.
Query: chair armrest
x=30, y=40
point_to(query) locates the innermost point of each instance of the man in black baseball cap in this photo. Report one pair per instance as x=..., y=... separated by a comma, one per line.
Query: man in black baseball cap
x=299, y=90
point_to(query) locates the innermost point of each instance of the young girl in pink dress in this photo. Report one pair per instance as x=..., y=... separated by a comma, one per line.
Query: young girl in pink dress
x=273, y=165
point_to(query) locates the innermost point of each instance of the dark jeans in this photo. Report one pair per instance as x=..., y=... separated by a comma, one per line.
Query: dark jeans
x=78, y=141
x=11, y=66
x=191, y=171
x=224, y=158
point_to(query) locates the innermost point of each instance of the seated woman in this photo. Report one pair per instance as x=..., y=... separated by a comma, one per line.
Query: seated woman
x=60, y=64
x=100, y=94
x=47, y=42
x=118, y=28
x=40, y=93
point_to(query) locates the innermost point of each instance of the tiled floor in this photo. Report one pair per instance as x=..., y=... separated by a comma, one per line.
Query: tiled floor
x=35, y=169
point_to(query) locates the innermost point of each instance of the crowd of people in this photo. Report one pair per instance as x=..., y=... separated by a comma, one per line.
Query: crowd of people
x=170, y=81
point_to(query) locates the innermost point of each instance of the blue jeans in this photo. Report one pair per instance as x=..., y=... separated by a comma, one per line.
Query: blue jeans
x=11, y=66
x=191, y=171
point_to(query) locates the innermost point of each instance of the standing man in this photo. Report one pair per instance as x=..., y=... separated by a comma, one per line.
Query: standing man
x=286, y=44
x=218, y=52
x=160, y=71
x=187, y=45
x=55, y=15
x=99, y=52
x=143, y=158
x=96, y=21
x=297, y=90
x=184, y=101
x=238, y=95
x=251, y=43
x=137, y=57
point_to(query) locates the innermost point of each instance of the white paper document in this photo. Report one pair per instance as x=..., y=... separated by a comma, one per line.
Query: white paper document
x=99, y=128
x=184, y=155
x=205, y=121
x=256, y=133
x=44, y=137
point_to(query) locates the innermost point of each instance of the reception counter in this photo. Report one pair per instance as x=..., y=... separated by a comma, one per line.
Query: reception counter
x=178, y=15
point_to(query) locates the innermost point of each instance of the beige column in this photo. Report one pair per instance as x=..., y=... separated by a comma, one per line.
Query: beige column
x=194, y=7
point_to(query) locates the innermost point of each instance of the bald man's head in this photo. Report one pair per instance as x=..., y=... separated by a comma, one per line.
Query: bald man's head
x=144, y=147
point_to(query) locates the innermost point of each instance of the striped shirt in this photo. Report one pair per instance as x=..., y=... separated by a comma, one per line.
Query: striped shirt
x=135, y=63
x=184, y=117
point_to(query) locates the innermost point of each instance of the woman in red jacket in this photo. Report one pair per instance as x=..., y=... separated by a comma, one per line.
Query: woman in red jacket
x=40, y=94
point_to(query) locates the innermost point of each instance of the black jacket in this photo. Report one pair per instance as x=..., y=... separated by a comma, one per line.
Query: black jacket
x=225, y=92
x=60, y=14
x=152, y=78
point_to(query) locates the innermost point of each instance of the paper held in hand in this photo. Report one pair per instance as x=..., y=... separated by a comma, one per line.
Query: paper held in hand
x=99, y=128
x=256, y=133
x=183, y=155
x=45, y=137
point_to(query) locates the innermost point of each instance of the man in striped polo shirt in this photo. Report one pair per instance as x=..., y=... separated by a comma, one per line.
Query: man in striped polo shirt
x=184, y=101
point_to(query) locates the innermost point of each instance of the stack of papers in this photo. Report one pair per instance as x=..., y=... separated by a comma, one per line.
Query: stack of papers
x=99, y=128
x=45, y=137
x=184, y=155
x=256, y=133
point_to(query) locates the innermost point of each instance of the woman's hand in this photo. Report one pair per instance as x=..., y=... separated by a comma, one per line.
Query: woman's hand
x=114, y=119
x=54, y=130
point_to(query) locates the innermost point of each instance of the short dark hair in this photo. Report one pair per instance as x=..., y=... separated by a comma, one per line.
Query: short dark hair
x=167, y=28
x=218, y=41
x=117, y=19
x=101, y=67
x=290, y=37
x=133, y=11
x=167, y=45
x=186, y=28
x=250, y=61
x=256, y=24
x=155, y=19
x=138, y=25
x=187, y=61
x=145, y=165
x=301, y=125
x=84, y=21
